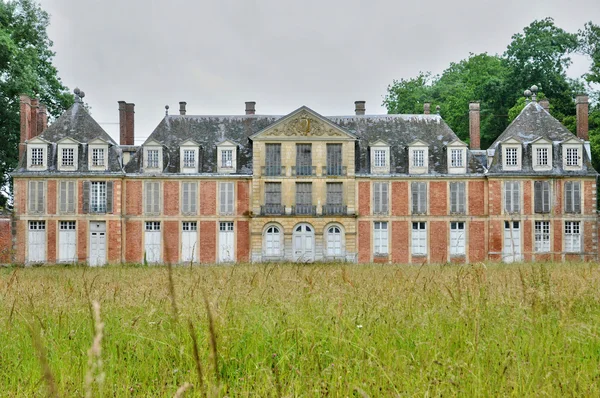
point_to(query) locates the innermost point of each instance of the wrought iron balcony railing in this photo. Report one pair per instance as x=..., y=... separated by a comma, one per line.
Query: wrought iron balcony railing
x=308, y=210
x=334, y=171
x=272, y=210
x=304, y=170
x=273, y=171
x=335, y=210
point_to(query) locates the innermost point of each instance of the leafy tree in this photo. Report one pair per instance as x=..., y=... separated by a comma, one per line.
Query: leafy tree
x=589, y=44
x=408, y=95
x=25, y=68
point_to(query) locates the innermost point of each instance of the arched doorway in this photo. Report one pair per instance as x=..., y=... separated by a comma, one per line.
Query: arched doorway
x=273, y=242
x=304, y=243
x=334, y=241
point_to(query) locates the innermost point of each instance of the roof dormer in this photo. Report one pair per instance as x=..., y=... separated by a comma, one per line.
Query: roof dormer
x=189, y=152
x=572, y=154
x=98, y=155
x=457, y=157
x=380, y=157
x=512, y=155
x=541, y=154
x=227, y=157
x=153, y=157
x=37, y=154
x=68, y=154
x=418, y=157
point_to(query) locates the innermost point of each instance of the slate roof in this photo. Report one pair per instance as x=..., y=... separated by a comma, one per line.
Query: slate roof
x=532, y=123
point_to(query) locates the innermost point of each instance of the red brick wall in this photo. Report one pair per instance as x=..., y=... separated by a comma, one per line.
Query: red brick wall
x=476, y=198
x=82, y=237
x=527, y=240
x=558, y=231
x=496, y=231
x=80, y=201
x=243, y=241
x=588, y=239
x=19, y=187
x=208, y=199
x=400, y=200
x=364, y=241
x=495, y=197
x=5, y=240
x=438, y=241
x=171, y=240
x=527, y=197
x=399, y=242
x=51, y=196
x=21, y=240
x=243, y=197
x=51, y=242
x=590, y=195
x=558, y=197
x=171, y=198
x=438, y=193
x=364, y=198
x=208, y=240
x=133, y=241
x=477, y=240
x=114, y=241
x=133, y=200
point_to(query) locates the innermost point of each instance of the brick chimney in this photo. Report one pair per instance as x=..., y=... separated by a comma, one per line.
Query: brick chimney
x=582, y=106
x=427, y=108
x=359, y=107
x=545, y=104
x=474, y=125
x=25, y=113
x=182, y=105
x=35, y=105
x=126, y=123
x=250, y=108
x=42, y=119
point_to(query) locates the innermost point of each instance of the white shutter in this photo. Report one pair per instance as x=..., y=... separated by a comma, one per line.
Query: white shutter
x=63, y=196
x=32, y=197
x=185, y=198
x=376, y=197
x=156, y=198
x=384, y=197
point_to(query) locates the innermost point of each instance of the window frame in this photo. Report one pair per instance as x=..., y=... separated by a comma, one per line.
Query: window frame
x=571, y=145
x=189, y=198
x=226, y=198
x=573, y=196
x=381, y=244
x=458, y=189
x=458, y=250
x=514, y=194
x=38, y=146
x=415, y=166
x=148, y=167
x=535, y=154
x=381, y=199
x=95, y=145
x=383, y=148
x=222, y=148
x=542, y=204
x=421, y=193
x=416, y=248
x=573, y=239
x=541, y=236
x=98, y=200
x=518, y=150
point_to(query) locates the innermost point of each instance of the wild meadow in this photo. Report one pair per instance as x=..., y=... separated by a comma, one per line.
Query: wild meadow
x=286, y=330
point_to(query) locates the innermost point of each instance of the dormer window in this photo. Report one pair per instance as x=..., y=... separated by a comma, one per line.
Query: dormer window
x=572, y=154
x=36, y=154
x=67, y=154
x=189, y=158
x=541, y=157
x=189, y=155
x=153, y=158
x=572, y=157
x=511, y=155
x=67, y=158
x=541, y=154
x=418, y=157
x=226, y=157
x=98, y=157
x=37, y=157
x=457, y=157
x=380, y=157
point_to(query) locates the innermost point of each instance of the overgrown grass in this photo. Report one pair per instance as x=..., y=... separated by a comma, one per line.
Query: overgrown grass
x=301, y=330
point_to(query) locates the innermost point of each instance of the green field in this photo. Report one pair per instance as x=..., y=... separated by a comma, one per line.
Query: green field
x=301, y=330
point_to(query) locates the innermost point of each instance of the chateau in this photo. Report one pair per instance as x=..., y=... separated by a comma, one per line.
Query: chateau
x=301, y=187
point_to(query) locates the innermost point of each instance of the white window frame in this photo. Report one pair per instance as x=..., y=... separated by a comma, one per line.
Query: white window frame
x=188, y=146
x=226, y=192
x=514, y=207
x=36, y=197
x=98, y=197
x=380, y=238
x=541, y=236
x=189, y=198
x=380, y=151
x=414, y=164
x=459, y=207
x=70, y=191
x=37, y=147
x=566, y=148
x=456, y=157
x=61, y=157
x=280, y=248
x=573, y=231
x=97, y=144
x=536, y=154
x=152, y=198
x=458, y=238
x=518, y=150
x=418, y=238
x=149, y=167
x=421, y=208
x=381, y=197
x=227, y=146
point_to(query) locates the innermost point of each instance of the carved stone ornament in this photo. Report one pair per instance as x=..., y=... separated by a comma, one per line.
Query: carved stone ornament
x=303, y=125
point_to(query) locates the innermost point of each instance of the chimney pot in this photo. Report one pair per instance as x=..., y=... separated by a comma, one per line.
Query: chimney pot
x=182, y=105
x=250, y=108
x=545, y=104
x=474, y=125
x=126, y=123
x=582, y=107
x=359, y=107
x=26, y=122
x=42, y=119
x=427, y=108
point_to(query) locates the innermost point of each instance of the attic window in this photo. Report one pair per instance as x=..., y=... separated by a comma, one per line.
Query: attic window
x=153, y=158
x=380, y=155
x=456, y=158
x=37, y=157
x=541, y=156
x=98, y=157
x=68, y=157
x=573, y=157
x=512, y=157
x=419, y=158
x=189, y=158
x=227, y=158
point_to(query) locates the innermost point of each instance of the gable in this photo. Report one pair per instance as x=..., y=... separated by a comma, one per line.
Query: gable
x=68, y=141
x=379, y=143
x=98, y=141
x=37, y=140
x=418, y=143
x=456, y=143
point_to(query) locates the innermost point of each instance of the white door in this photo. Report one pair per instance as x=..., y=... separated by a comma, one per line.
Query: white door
x=152, y=241
x=226, y=245
x=67, y=242
x=334, y=242
x=512, y=241
x=97, y=243
x=189, y=242
x=304, y=243
x=36, y=241
x=273, y=247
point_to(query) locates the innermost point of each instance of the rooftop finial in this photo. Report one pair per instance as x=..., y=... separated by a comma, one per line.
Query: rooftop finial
x=534, y=90
x=437, y=109
x=78, y=94
x=166, y=110
x=527, y=94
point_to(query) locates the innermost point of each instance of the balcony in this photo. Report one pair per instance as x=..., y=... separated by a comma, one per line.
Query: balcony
x=335, y=210
x=304, y=170
x=331, y=171
x=273, y=171
x=304, y=210
x=272, y=210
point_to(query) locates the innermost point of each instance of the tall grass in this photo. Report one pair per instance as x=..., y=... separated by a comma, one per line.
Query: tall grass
x=301, y=330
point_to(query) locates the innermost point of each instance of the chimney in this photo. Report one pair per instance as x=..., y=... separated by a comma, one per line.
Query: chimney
x=130, y=123
x=359, y=107
x=182, y=105
x=582, y=106
x=25, y=112
x=42, y=119
x=545, y=104
x=122, y=123
x=250, y=108
x=427, y=108
x=33, y=130
x=474, y=133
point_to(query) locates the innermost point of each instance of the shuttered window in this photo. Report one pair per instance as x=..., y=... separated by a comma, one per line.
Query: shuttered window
x=272, y=193
x=189, y=198
x=457, y=238
x=457, y=198
x=97, y=197
x=303, y=159
x=512, y=196
x=37, y=197
x=335, y=193
x=226, y=199
x=380, y=197
x=334, y=159
x=573, y=197
x=380, y=238
x=303, y=194
x=541, y=196
x=273, y=159
x=152, y=198
x=419, y=238
x=419, y=197
x=67, y=197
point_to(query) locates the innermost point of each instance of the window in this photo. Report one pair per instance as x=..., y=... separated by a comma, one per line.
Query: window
x=152, y=198
x=98, y=157
x=572, y=236
x=542, y=236
x=457, y=238
x=189, y=158
x=304, y=198
x=419, y=197
x=37, y=225
x=273, y=159
x=189, y=198
x=67, y=197
x=419, y=158
x=541, y=157
x=226, y=200
x=334, y=159
x=272, y=242
x=227, y=158
x=189, y=226
x=380, y=198
x=37, y=196
x=226, y=226
x=98, y=197
x=380, y=238
x=68, y=157
x=512, y=196
x=572, y=197
x=573, y=157
x=457, y=198
x=37, y=157
x=153, y=159
x=379, y=158
x=334, y=239
x=419, y=238
x=456, y=158
x=303, y=159
x=335, y=193
x=541, y=196
x=511, y=157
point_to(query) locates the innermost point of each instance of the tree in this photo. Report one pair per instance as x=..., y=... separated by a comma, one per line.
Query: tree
x=25, y=68
x=589, y=44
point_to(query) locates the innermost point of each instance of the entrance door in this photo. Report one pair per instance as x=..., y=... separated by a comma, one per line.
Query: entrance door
x=273, y=247
x=304, y=243
x=97, y=243
x=152, y=241
x=189, y=242
x=67, y=242
x=36, y=252
x=226, y=245
x=334, y=242
x=512, y=241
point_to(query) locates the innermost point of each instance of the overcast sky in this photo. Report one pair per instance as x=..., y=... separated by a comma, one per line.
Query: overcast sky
x=324, y=54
